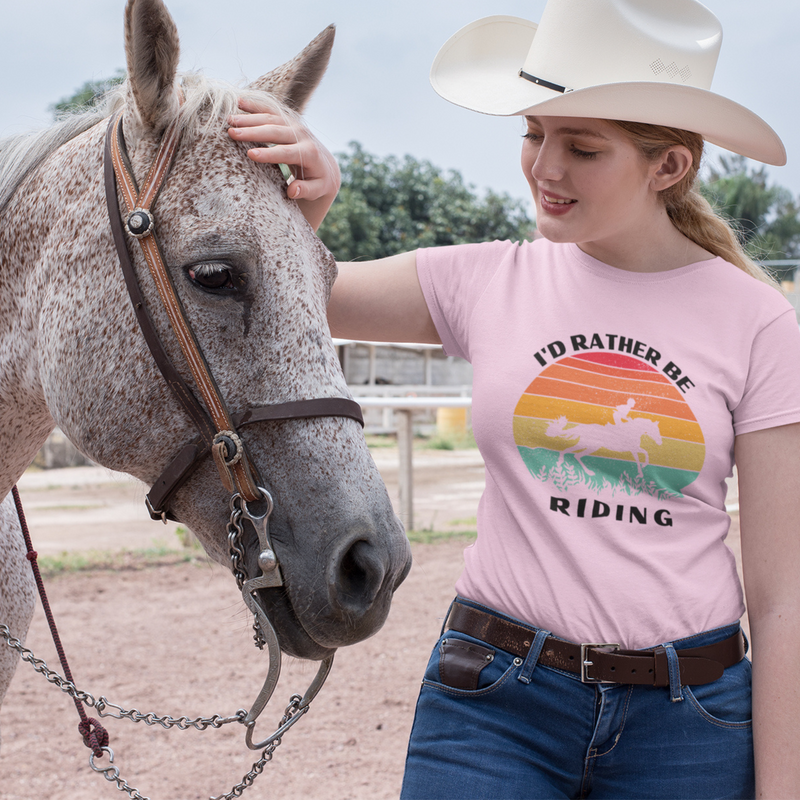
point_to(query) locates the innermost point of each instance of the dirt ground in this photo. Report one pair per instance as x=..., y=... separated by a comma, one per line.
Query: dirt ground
x=175, y=639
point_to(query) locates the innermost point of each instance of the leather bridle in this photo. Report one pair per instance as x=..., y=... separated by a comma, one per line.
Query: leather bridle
x=217, y=427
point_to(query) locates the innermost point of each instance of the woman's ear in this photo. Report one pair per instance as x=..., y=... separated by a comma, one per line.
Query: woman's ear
x=671, y=168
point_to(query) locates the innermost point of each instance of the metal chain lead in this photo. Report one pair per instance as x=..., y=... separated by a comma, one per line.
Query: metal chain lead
x=41, y=667
x=111, y=773
x=266, y=756
x=102, y=703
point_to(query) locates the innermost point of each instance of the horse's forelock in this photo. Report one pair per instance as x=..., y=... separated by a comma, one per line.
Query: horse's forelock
x=207, y=104
x=206, y=107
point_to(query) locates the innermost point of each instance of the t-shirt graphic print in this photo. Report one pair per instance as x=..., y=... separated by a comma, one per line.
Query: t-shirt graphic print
x=608, y=422
x=606, y=405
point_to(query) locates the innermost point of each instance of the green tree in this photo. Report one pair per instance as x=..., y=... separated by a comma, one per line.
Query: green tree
x=387, y=206
x=766, y=216
x=87, y=96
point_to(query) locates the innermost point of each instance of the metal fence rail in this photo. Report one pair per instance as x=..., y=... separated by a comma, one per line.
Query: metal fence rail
x=404, y=408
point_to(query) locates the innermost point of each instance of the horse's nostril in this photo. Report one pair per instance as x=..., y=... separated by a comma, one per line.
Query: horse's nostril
x=360, y=576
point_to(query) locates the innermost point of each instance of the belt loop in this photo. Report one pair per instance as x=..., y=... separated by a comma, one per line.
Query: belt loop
x=675, y=690
x=532, y=658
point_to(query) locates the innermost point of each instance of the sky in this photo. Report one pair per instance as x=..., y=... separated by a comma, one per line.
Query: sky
x=376, y=90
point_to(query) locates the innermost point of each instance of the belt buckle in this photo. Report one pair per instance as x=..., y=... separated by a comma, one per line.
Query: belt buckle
x=585, y=663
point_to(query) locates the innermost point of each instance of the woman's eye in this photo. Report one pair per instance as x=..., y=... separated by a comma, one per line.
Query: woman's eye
x=532, y=137
x=211, y=276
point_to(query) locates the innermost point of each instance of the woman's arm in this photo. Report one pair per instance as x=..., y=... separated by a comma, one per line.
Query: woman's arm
x=381, y=301
x=317, y=173
x=768, y=464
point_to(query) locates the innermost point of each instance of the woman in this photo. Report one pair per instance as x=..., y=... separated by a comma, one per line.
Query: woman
x=620, y=362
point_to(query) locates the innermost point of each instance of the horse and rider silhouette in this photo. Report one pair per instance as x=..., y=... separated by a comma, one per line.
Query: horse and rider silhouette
x=623, y=435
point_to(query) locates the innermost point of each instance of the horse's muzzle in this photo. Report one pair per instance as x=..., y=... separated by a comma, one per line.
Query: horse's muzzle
x=349, y=604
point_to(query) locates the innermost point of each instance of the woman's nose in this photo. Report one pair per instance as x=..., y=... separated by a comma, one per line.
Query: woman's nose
x=547, y=165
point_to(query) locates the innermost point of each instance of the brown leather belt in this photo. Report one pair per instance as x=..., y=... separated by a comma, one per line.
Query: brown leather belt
x=600, y=662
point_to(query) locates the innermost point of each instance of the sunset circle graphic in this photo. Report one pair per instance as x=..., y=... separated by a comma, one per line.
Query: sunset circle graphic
x=608, y=421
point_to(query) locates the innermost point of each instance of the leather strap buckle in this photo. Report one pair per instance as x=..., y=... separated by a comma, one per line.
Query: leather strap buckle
x=155, y=514
x=586, y=663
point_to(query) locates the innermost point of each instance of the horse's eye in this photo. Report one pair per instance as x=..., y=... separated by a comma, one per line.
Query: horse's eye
x=211, y=276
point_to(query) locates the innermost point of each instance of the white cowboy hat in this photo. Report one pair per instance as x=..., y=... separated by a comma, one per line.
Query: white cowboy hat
x=636, y=60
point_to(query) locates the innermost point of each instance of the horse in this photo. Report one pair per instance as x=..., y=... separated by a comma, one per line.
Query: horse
x=253, y=280
x=619, y=437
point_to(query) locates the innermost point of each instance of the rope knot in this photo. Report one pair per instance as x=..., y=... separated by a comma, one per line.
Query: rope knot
x=95, y=736
x=31, y=555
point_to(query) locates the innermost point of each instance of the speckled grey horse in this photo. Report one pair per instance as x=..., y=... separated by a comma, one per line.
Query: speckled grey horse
x=72, y=354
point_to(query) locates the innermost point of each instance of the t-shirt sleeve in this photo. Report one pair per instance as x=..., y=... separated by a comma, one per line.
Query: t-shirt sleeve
x=453, y=280
x=771, y=395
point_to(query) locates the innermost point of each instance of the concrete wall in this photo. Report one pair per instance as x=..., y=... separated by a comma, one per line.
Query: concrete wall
x=403, y=366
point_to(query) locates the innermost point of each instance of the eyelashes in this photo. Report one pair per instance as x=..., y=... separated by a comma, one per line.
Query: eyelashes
x=211, y=277
x=536, y=138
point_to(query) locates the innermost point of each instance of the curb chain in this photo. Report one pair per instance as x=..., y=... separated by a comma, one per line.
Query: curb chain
x=235, y=539
x=235, y=535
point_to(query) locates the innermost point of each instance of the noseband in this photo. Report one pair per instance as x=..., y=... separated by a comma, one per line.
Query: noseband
x=217, y=427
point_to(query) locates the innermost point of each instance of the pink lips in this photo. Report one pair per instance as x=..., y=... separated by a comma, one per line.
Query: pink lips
x=554, y=208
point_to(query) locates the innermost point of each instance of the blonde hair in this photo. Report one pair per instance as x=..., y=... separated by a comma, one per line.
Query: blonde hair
x=689, y=211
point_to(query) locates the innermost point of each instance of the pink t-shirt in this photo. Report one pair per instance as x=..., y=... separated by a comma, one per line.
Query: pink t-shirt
x=605, y=405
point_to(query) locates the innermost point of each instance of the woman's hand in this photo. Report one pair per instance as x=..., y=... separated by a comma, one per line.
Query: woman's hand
x=317, y=176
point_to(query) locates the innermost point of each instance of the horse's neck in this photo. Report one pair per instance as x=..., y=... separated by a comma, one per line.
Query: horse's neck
x=30, y=242
x=24, y=419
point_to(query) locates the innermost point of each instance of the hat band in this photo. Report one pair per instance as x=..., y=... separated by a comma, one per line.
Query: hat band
x=542, y=82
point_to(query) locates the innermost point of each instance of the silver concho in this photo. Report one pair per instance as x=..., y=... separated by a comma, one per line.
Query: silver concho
x=233, y=446
x=140, y=223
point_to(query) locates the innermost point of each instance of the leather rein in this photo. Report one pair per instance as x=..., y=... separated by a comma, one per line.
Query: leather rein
x=217, y=427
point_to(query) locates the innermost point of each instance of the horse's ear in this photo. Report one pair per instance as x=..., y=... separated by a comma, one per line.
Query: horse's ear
x=295, y=81
x=152, y=48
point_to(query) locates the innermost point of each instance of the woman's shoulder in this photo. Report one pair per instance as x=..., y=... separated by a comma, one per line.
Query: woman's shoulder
x=733, y=286
x=477, y=253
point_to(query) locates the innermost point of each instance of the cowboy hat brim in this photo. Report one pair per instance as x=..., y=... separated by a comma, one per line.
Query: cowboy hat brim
x=478, y=68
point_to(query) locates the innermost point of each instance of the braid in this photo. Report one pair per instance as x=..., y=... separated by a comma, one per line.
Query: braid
x=689, y=211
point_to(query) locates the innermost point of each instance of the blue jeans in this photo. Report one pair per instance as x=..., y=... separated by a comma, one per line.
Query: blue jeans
x=530, y=731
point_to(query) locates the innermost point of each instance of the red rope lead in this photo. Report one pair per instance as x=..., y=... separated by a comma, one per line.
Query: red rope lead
x=95, y=736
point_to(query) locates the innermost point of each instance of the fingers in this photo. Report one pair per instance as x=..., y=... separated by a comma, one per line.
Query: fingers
x=307, y=190
x=263, y=123
x=256, y=107
x=311, y=182
x=260, y=128
x=279, y=154
x=290, y=143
